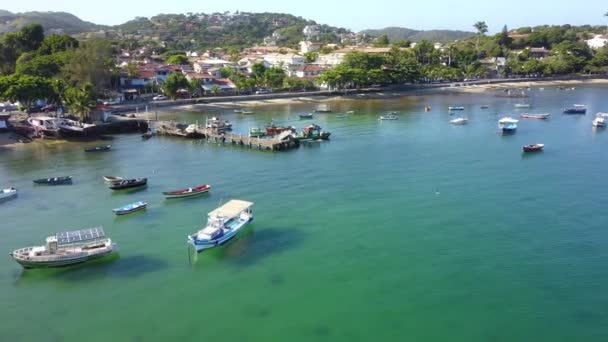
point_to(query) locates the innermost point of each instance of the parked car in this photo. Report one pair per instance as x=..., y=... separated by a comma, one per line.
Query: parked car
x=262, y=91
x=49, y=108
x=159, y=98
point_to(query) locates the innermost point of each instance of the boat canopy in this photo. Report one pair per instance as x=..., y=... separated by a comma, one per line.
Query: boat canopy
x=66, y=238
x=231, y=209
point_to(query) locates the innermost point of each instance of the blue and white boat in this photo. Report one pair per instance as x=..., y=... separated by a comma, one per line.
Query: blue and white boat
x=452, y=108
x=223, y=224
x=306, y=116
x=507, y=124
x=130, y=208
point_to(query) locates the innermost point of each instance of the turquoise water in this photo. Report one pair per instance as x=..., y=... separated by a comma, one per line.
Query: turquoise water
x=413, y=229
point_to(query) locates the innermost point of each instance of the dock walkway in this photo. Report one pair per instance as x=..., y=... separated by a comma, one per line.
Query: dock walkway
x=277, y=143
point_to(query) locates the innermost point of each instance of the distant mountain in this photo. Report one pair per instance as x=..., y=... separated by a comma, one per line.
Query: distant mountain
x=53, y=22
x=400, y=33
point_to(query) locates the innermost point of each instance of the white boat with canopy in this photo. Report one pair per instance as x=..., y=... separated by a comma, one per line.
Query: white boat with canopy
x=223, y=224
x=67, y=248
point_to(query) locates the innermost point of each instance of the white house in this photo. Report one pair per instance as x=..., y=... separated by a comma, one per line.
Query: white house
x=331, y=59
x=309, y=71
x=203, y=65
x=597, y=42
x=308, y=46
x=289, y=61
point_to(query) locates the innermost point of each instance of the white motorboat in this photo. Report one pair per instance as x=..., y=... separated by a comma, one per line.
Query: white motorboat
x=460, y=121
x=45, y=126
x=599, y=122
x=507, y=124
x=7, y=194
x=602, y=115
x=223, y=224
x=67, y=248
x=522, y=105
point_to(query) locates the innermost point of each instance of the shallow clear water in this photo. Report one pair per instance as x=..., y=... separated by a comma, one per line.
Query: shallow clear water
x=411, y=229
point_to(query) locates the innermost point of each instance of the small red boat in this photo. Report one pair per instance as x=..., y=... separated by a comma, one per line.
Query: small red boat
x=533, y=147
x=201, y=189
x=276, y=130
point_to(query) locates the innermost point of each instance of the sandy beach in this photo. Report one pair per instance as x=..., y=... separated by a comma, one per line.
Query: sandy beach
x=388, y=93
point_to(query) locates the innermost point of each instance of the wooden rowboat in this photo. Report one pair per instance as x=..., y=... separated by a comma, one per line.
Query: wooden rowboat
x=54, y=180
x=201, y=189
x=130, y=208
x=533, y=147
x=129, y=183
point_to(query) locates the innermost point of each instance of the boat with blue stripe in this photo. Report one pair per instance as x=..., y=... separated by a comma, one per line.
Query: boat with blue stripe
x=223, y=224
x=130, y=208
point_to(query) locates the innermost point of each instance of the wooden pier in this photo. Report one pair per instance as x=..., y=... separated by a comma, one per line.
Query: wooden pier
x=281, y=142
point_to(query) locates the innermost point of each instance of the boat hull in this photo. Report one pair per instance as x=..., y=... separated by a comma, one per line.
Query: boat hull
x=200, y=246
x=119, y=186
x=77, y=259
x=54, y=181
x=122, y=211
x=184, y=193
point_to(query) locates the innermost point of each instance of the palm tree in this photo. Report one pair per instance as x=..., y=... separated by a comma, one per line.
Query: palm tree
x=215, y=89
x=81, y=100
x=482, y=29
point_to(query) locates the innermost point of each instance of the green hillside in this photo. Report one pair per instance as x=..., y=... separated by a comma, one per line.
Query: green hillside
x=400, y=33
x=51, y=21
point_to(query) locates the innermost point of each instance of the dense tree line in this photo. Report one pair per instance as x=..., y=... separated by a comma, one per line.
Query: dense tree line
x=57, y=68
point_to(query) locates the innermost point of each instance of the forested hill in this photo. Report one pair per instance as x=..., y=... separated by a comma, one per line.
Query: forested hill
x=227, y=29
x=400, y=33
x=59, y=22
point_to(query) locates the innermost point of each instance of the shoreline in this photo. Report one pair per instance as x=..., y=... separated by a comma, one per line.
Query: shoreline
x=473, y=88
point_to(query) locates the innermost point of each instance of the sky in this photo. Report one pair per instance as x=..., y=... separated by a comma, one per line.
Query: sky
x=355, y=15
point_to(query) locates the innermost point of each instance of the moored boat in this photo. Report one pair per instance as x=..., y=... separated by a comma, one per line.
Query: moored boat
x=522, y=105
x=201, y=189
x=455, y=108
x=275, y=130
x=507, y=124
x=217, y=123
x=72, y=128
x=54, y=180
x=130, y=208
x=312, y=132
x=6, y=194
x=66, y=248
x=576, y=109
x=460, y=121
x=257, y=132
x=129, y=183
x=223, y=224
x=535, y=116
x=533, y=147
x=306, y=116
x=484, y=107
x=602, y=115
x=599, y=122
x=45, y=126
x=342, y=116
x=98, y=148
x=238, y=111
x=247, y=112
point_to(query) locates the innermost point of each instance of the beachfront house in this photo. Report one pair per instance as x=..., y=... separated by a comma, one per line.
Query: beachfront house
x=309, y=71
